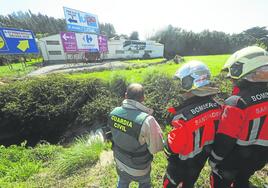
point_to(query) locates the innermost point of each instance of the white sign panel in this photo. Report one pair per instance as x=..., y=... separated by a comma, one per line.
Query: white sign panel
x=87, y=42
x=18, y=34
x=78, y=21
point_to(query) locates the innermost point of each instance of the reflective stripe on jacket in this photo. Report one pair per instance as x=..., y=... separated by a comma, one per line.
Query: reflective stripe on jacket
x=194, y=127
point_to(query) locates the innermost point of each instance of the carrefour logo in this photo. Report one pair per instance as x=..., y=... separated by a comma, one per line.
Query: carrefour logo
x=87, y=38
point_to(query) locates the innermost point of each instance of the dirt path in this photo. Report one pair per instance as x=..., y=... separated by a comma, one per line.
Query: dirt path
x=106, y=158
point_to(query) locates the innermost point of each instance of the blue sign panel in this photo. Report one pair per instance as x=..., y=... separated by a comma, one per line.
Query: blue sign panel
x=15, y=41
x=78, y=21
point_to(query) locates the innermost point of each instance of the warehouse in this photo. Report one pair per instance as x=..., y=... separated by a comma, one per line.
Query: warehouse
x=53, y=50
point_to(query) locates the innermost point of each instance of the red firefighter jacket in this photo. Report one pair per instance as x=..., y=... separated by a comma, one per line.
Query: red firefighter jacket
x=243, y=124
x=194, y=125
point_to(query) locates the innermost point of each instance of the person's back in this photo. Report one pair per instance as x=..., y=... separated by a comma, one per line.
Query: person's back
x=127, y=123
x=244, y=125
x=194, y=125
x=136, y=137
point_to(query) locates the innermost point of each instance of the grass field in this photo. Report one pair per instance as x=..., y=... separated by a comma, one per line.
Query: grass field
x=18, y=69
x=214, y=62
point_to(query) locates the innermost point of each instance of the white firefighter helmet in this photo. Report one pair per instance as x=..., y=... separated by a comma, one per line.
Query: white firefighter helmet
x=195, y=76
x=246, y=61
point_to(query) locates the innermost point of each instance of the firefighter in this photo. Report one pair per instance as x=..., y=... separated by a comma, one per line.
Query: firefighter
x=194, y=125
x=241, y=143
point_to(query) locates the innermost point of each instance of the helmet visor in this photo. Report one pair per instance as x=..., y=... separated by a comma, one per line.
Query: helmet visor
x=187, y=82
x=236, y=70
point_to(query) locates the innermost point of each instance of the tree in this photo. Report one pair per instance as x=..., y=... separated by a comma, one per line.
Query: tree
x=134, y=35
x=181, y=42
x=44, y=25
x=38, y=23
x=107, y=29
x=259, y=34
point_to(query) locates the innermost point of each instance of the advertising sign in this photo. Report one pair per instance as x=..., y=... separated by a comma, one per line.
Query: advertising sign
x=16, y=41
x=134, y=45
x=103, y=43
x=79, y=42
x=68, y=40
x=87, y=42
x=78, y=21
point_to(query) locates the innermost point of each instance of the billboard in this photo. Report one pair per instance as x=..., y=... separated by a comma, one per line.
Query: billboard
x=103, y=43
x=87, y=42
x=16, y=41
x=134, y=45
x=78, y=21
x=68, y=40
x=79, y=42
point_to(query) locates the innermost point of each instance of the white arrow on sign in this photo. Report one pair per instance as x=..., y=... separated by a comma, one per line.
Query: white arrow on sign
x=65, y=37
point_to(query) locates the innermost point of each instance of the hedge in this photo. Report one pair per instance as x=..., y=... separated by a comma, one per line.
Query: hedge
x=45, y=108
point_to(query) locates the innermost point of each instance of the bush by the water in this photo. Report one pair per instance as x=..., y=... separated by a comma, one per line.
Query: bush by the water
x=44, y=108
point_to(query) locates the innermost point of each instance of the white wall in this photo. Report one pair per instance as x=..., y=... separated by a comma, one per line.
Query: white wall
x=52, y=44
x=47, y=49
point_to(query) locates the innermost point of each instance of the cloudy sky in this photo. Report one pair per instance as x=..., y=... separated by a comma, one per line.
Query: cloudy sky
x=148, y=16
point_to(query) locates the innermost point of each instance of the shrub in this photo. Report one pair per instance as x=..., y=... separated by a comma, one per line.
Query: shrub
x=44, y=107
x=178, y=59
x=161, y=92
x=224, y=85
x=96, y=111
x=118, y=85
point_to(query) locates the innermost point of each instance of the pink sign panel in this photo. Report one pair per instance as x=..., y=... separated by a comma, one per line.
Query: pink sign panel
x=68, y=40
x=103, y=43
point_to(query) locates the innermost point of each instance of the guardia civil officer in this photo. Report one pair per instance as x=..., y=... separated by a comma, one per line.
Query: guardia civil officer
x=136, y=136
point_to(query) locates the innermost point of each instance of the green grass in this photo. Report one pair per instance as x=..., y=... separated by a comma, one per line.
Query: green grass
x=145, y=61
x=81, y=154
x=46, y=165
x=17, y=164
x=76, y=166
x=214, y=62
x=107, y=177
x=18, y=69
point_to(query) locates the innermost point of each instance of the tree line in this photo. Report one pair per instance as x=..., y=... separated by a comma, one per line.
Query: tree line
x=177, y=41
x=182, y=42
x=43, y=25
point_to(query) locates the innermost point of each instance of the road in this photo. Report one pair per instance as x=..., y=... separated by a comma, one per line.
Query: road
x=78, y=67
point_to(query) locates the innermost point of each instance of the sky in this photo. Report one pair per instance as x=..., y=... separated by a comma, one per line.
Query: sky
x=149, y=16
